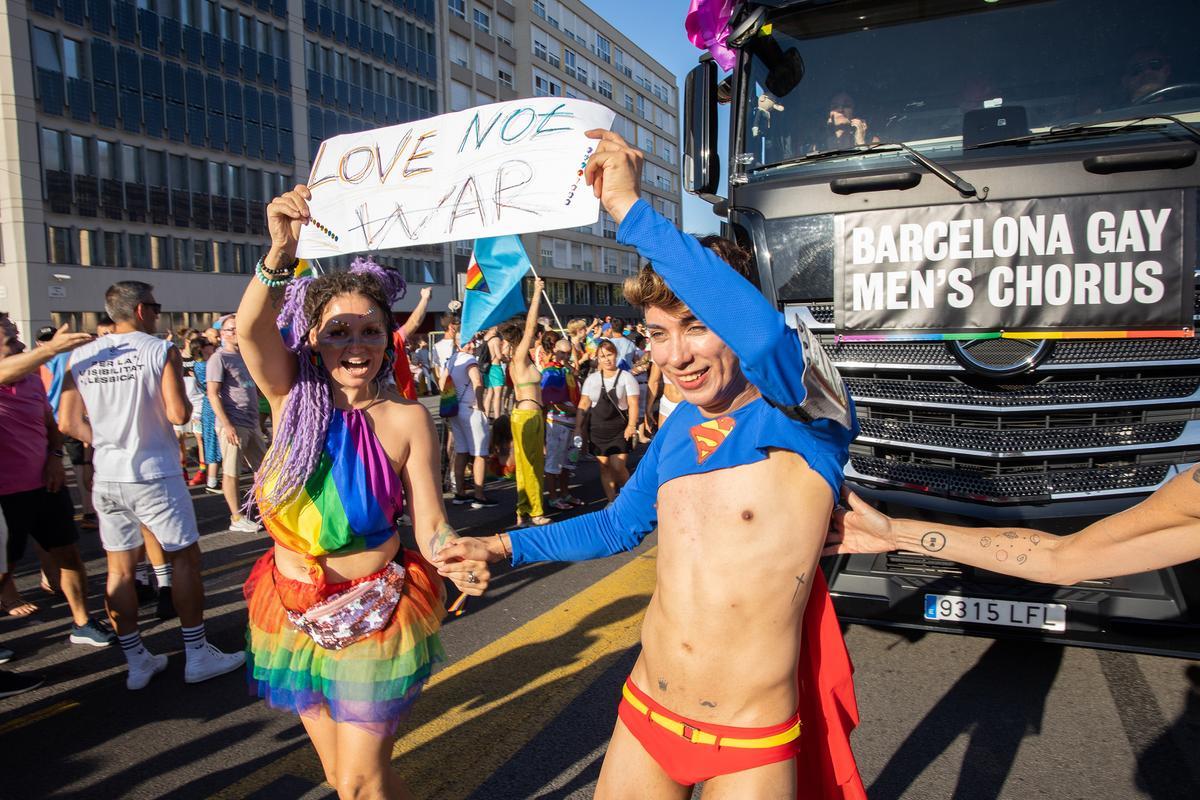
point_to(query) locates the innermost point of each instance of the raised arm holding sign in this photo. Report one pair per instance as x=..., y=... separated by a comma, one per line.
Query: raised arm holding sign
x=504, y=168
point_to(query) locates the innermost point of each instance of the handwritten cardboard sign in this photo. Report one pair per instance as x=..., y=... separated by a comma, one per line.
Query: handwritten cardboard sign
x=503, y=168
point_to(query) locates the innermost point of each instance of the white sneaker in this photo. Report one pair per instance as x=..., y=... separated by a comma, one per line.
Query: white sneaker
x=244, y=525
x=209, y=662
x=142, y=669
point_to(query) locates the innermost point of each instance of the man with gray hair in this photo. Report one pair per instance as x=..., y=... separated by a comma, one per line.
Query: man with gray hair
x=121, y=394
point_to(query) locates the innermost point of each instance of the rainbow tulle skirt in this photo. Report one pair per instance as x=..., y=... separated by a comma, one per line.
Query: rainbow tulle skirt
x=371, y=683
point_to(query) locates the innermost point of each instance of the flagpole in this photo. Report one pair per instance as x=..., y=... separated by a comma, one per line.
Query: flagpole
x=546, y=297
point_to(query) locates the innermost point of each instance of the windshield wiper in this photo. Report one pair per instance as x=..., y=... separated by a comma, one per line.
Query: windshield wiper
x=964, y=187
x=1077, y=130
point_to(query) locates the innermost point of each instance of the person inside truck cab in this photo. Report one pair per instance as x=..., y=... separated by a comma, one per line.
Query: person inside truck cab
x=1160, y=532
x=1147, y=70
x=843, y=127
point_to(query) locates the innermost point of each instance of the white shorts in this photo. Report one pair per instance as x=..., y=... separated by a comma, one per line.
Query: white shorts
x=163, y=505
x=558, y=441
x=472, y=433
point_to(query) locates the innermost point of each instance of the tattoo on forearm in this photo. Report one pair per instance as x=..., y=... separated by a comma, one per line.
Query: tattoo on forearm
x=933, y=541
x=708, y=704
x=799, y=586
x=662, y=684
x=441, y=537
x=1011, y=544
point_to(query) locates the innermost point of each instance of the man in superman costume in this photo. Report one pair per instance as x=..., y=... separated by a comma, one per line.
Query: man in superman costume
x=743, y=681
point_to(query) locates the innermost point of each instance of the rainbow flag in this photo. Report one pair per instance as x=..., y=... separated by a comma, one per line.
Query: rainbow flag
x=475, y=280
x=493, y=283
x=559, y=385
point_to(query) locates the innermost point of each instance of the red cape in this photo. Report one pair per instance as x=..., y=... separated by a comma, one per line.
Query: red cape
x=401, y=369
x=828, y=710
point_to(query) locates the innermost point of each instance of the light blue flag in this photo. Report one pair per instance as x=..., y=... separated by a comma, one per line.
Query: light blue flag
x=493, y=292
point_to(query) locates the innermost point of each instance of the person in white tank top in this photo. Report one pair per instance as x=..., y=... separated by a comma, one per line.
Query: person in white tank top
x=121, y=394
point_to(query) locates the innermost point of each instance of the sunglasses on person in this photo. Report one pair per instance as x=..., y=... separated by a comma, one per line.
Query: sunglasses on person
x=155, y=307
x=1149, y=65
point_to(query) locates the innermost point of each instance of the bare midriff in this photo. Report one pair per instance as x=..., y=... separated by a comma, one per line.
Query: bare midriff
x=337, y=568
x=737, y=549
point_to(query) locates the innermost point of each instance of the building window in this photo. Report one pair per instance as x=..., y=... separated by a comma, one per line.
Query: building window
x=54, y=151
x=605, y=89
x=602, y=49
x=557, y=290
x=601, y=294
x=539, y=8
x=459, y=50
x=200, y=261
x=131, y=165
x=504, y=30
x=139, y=251
x=160, y=257
x=547, y=253
x=45, y=51
x=114, y=249
x=483, y=21
x=87, y=248
x=183, y=252
x=240, y=265
x=504, y=74
x=460, y=96
x=485, y=64
x=58, y=245
x=458, y=8
x=580, y=292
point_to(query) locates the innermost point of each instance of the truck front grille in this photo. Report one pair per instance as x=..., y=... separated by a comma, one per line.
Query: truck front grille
x=1115, y=416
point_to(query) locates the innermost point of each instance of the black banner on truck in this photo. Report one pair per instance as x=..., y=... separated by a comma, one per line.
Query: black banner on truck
x=1111, y=262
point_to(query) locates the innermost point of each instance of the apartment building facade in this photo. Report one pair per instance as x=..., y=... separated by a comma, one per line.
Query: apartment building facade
x=142, y=140
x=497, y=51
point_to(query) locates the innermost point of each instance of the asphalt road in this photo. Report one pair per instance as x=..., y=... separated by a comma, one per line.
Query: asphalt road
x=525, y=703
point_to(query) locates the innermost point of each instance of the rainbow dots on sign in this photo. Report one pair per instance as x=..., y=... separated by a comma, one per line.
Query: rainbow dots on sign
x=578, y=176
x=324, y=230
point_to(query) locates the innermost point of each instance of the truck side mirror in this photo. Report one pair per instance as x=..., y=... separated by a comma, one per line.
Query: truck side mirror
x=701, y=162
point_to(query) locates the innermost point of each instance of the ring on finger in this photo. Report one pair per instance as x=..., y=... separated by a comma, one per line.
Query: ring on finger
x=472, y=578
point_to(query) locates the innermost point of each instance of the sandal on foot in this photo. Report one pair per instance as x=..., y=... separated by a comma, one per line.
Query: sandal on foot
x=20, y=609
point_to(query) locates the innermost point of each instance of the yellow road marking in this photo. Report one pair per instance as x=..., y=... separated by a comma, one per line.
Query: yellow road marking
x=491, y=703
x=241, y=562
x=37, y=716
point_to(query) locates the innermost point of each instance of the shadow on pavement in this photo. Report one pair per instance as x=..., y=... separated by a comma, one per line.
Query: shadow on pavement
x=1162, y=766
x=501, y=683
x=997, y=703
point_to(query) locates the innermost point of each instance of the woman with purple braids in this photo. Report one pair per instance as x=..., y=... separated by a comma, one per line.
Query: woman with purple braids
x=343, y=622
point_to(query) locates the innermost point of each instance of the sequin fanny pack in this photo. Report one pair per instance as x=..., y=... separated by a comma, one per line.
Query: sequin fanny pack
x=342, y=619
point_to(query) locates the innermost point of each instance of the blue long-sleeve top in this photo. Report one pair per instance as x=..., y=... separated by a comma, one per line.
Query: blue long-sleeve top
x=772, y=358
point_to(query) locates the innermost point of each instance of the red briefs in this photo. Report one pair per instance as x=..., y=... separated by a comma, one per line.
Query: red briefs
x=695, y=751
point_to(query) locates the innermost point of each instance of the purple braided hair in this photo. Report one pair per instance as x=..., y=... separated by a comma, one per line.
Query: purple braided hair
x=297, y=445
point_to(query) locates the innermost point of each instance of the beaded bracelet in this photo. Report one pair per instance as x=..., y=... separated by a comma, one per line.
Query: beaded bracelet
x=268, y=277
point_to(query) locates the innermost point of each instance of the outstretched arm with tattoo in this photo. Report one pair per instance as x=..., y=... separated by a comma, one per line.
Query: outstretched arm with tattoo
x=432, y=531
x=1161, y=531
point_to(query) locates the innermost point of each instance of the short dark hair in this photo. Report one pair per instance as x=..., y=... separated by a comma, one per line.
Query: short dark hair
x=122, y=299
x=449, y=319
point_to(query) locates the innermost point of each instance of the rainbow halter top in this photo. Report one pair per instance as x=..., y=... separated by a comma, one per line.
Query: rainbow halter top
x=351, y=500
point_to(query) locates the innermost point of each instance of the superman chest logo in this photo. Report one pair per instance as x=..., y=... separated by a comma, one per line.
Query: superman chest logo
x=710, y=435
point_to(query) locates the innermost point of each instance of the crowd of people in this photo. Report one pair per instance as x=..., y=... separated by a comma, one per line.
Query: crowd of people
x=743, y=681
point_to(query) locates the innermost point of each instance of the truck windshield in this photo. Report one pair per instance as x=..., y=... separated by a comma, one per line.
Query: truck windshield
x=966, y=74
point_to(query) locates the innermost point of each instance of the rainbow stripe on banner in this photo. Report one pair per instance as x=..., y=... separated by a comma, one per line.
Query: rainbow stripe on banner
x=905, y=336
x=475, y=279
